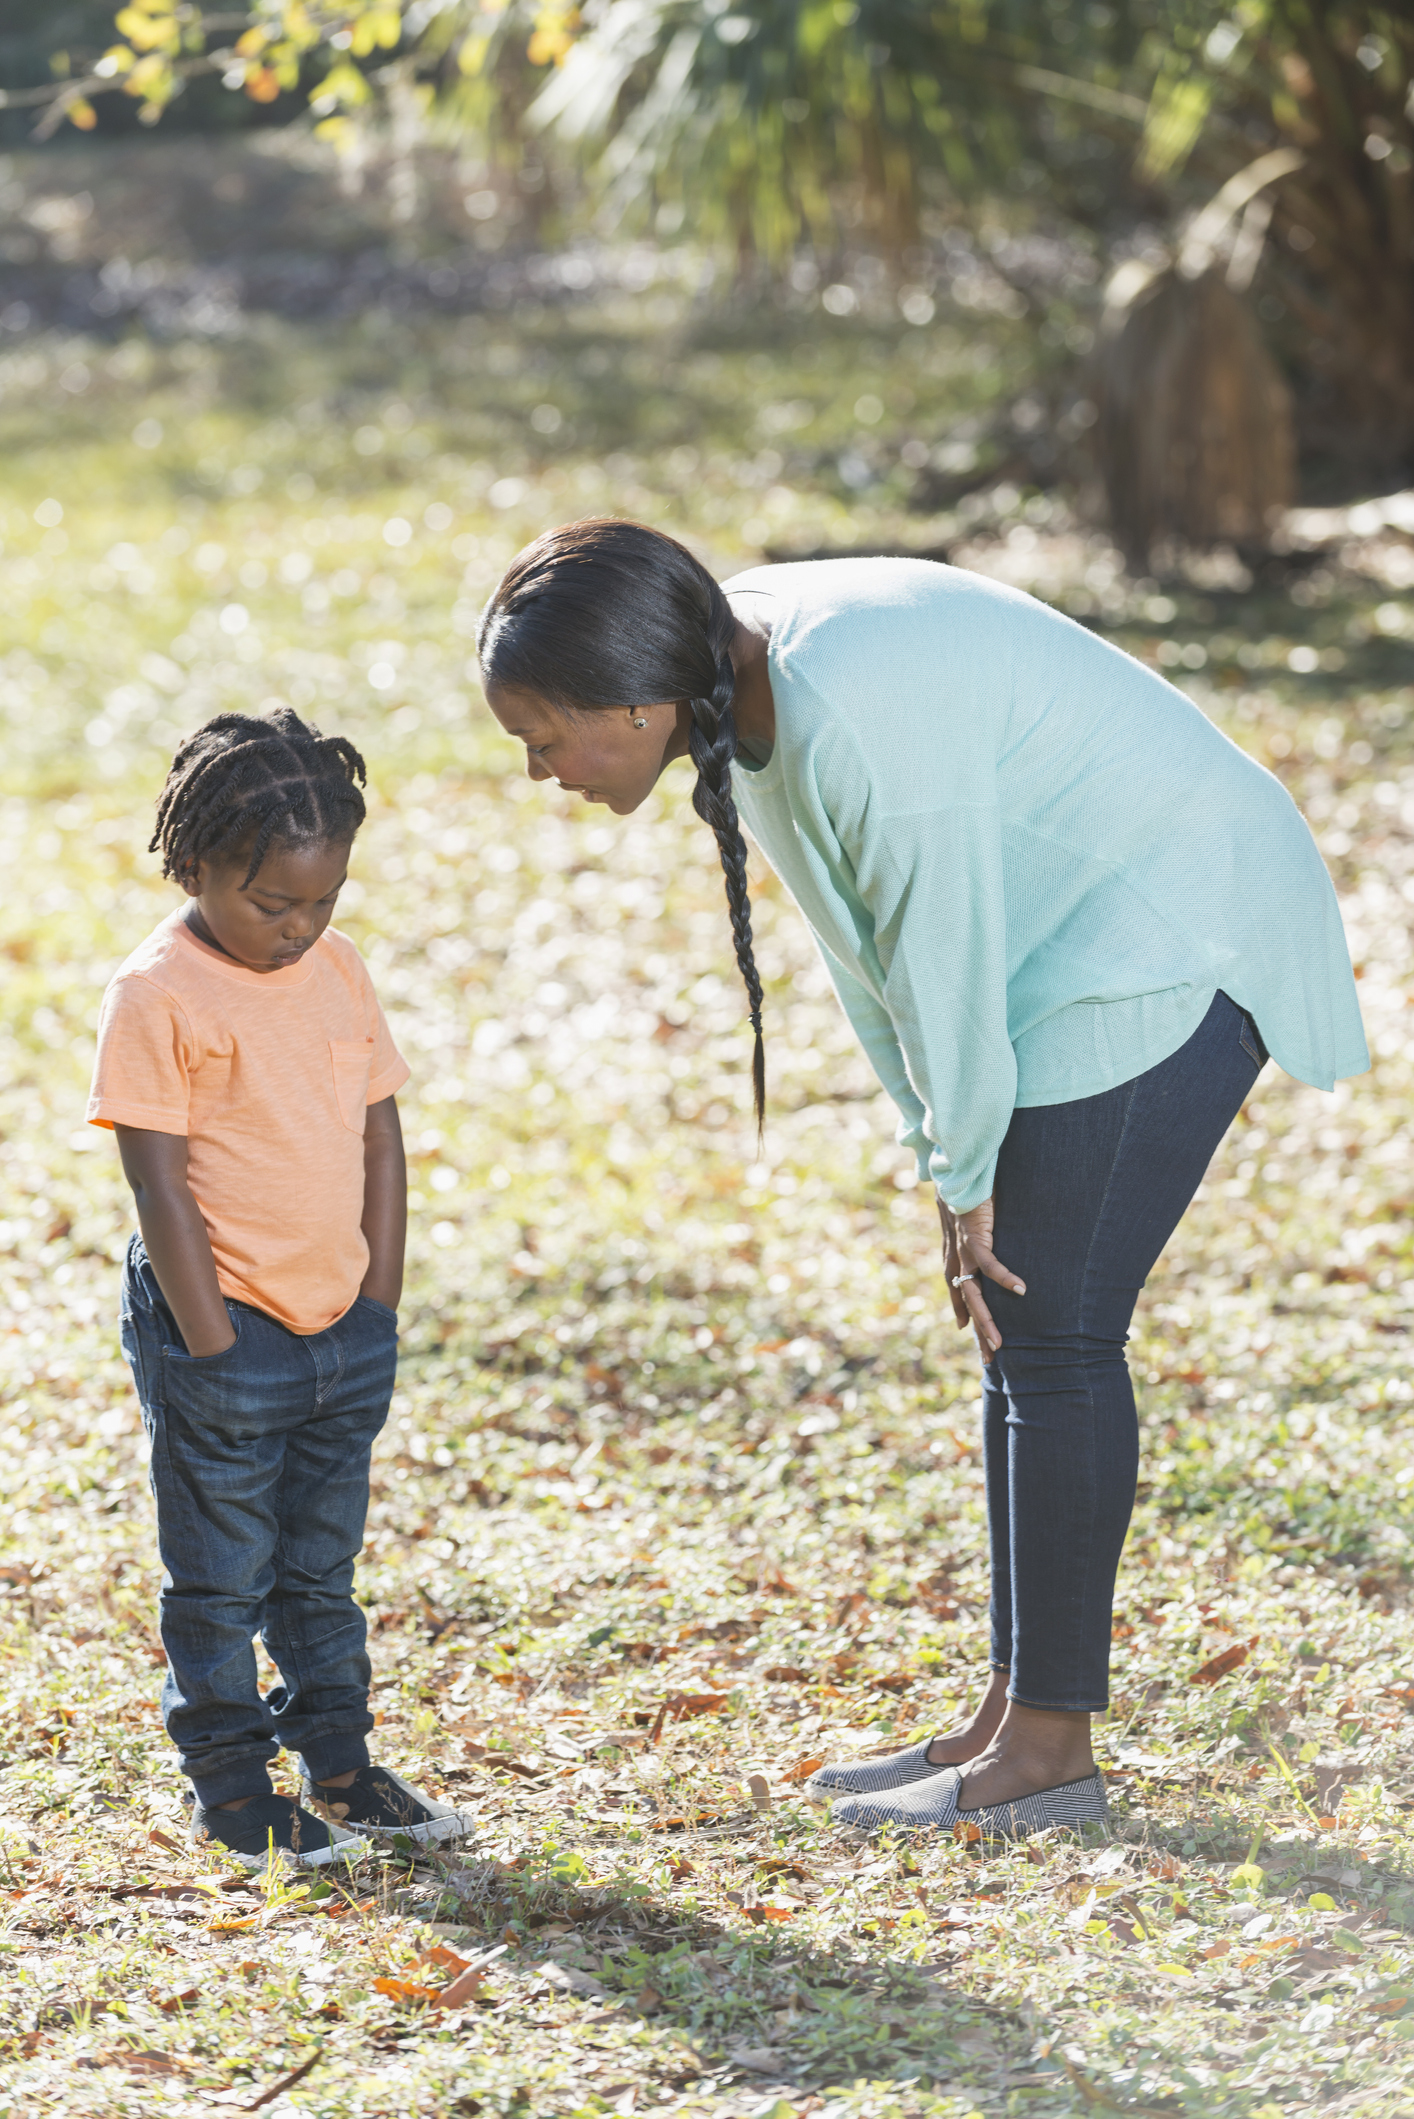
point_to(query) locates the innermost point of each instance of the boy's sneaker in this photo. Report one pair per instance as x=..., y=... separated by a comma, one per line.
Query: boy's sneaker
x=378, y=1801
x=248, y=1834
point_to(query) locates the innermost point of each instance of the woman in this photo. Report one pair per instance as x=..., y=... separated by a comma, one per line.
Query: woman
x=1066, y=917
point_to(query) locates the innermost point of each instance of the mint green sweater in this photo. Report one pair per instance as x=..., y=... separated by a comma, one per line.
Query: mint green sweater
x=1029, y=863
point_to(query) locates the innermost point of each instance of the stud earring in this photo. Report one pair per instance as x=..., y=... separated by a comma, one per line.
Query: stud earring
x=640, y=721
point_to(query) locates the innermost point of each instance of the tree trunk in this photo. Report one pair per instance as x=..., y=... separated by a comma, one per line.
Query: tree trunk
x=1194, y=435
x=1343, y=261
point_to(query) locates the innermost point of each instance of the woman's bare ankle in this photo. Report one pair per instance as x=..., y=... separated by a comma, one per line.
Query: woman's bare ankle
x=1035, y=1748
x=953, y=1747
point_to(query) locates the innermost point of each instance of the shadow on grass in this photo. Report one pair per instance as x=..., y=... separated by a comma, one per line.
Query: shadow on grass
x=757, y=2003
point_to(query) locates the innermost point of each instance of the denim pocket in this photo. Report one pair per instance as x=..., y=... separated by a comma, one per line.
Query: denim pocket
x=130, y=1339
x=1250, y=1039
x=185, y=1360
x=352, y=1061
x=380, y=1309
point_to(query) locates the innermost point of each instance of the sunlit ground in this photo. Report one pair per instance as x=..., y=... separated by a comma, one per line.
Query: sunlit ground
x=676, y=1424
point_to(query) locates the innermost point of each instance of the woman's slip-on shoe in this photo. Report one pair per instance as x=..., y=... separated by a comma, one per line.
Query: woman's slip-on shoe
x=928, y=1805
x=1073, y=1803
x=932, y=1806
x=873, y=1776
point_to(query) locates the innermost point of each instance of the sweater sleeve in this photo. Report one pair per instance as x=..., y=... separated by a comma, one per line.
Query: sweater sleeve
x=873, y=1026
x=931, y=881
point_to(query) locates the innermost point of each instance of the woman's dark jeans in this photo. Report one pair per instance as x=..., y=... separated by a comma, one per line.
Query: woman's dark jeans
x=1087, y=1194
x=260, y=1474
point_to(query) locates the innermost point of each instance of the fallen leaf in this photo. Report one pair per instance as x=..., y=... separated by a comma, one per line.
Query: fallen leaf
x=449, y=1961
x=571, y=1980
x=765, y=1913
x=405, y=1990
x=681, y=1707
x=465, y=1987
x=1265, y=1948
x=936, y=1592
x=468, y=1974
x=759, y=1792
x=1312, y=1959
x=142, y=2060
x=1218, y=1666
x=679, y=1869
x=802, y=1769
x=785, y=1674
x=160, y=1839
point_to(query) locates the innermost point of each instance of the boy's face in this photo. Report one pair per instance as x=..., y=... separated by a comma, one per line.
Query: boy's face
x=268, y=923
x=602, y=753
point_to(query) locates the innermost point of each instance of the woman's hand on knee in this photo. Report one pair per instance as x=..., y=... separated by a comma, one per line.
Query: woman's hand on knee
x=968, y=1257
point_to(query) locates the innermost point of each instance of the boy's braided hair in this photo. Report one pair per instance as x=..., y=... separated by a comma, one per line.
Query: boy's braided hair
x=611, y=613
x=275, y=776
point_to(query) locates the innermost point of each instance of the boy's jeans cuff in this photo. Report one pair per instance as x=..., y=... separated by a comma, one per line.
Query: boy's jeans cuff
x=228, y=1787
x=336, y=1754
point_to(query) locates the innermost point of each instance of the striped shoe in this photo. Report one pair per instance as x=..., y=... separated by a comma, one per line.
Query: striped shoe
x=928, y=1805
x=873, y=1776
x=1073, y=1803
x=932, y=1806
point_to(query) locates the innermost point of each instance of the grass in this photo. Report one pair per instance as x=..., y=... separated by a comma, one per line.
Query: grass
x=681, y=1487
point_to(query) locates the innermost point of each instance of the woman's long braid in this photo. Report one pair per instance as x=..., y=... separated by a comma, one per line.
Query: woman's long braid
x=240, y=774
x=712, y=741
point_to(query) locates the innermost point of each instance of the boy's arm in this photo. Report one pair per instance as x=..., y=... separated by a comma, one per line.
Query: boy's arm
x=178, y=1247
x=385, y=1203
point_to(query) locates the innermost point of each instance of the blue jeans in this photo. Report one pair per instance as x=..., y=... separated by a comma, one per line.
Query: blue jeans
x=260, y=1474
x=1087, y=1194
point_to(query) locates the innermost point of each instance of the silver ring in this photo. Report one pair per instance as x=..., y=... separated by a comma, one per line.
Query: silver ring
x=958, y=1278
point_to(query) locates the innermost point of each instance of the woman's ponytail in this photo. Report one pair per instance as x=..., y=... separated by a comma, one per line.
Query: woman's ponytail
x=609, y=613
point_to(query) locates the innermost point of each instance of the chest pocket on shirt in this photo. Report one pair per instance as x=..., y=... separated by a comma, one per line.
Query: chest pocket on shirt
x=352, y=1061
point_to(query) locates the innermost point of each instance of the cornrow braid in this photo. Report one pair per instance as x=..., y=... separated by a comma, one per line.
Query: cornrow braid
x=277, y=777
x=608, y=613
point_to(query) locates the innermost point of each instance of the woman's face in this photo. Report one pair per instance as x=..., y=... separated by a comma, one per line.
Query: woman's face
x=602, y=754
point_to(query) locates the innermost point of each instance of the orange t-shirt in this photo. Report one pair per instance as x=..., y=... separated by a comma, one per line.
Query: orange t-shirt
x=269, y=1074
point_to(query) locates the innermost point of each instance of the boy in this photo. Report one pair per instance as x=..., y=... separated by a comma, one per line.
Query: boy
x=245, y=1065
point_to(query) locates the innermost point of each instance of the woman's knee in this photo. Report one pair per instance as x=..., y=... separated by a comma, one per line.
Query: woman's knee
x=1075, y=1362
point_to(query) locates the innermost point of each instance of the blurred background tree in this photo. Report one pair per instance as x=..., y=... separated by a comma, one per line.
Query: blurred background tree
x=782, y=124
